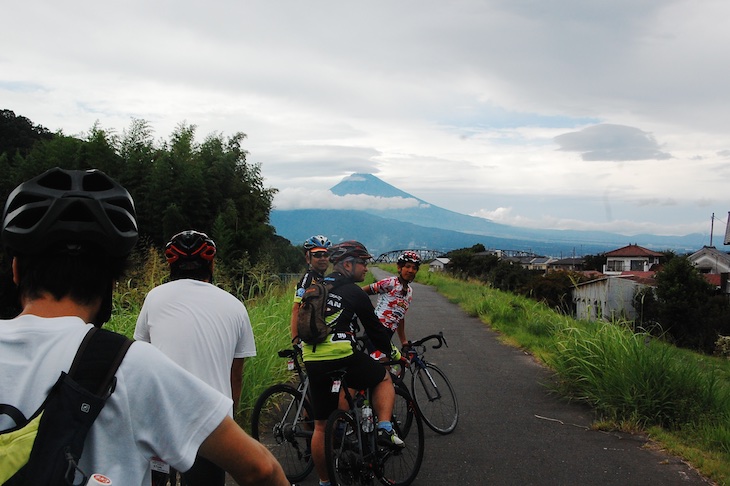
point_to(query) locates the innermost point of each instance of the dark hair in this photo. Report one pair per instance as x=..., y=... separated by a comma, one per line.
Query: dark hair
x=202, y=272
x=84, y=277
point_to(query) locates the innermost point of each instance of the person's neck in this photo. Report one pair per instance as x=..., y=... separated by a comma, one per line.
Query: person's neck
x=47, y=306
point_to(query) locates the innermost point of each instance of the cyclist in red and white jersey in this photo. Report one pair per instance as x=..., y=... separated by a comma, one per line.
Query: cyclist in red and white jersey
x=395, y=295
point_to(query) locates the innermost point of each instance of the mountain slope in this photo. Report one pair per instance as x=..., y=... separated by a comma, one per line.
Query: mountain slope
x=431, y=227
x=433, y=216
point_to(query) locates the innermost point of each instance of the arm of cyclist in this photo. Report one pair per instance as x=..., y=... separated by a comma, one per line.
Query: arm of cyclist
x=245, y=459
x=378, y=334
x=236, y=381
x=401, y=331
x=293, y=324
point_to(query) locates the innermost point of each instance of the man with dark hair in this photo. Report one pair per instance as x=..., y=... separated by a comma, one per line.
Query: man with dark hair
x=346, y=304
x=69, y=234
x=199, y=326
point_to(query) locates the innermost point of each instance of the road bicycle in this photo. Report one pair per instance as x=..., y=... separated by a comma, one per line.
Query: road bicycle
x=431, y=389
x=282, y=420
x=352, y=452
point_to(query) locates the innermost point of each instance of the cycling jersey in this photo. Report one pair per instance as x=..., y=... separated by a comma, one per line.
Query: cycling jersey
x=304, y=282
x=347, y=303
x=393, y=301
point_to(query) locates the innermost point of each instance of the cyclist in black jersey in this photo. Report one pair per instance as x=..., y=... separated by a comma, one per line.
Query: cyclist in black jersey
x=347, y=303
x=315, y=254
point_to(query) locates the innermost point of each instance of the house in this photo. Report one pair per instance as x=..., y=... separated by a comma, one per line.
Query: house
x=540, y=263
x=608, y=298
x=710, y=260
x=566, y=264
x=438, y=264
x=631, y=258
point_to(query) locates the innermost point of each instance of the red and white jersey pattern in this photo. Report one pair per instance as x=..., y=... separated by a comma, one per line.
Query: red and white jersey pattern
x=393, y=301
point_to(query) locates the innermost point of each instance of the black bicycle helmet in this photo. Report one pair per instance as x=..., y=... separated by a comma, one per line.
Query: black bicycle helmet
x=65, y=210
x=317, y=241
x=190, y=249
x=409, y=256
x=348, y=249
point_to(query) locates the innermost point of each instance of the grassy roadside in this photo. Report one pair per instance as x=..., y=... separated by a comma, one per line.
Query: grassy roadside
x=680, y=399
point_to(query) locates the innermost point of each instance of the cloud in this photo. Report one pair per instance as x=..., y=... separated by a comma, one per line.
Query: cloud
x=298, y=198
x=507, y=216
x=612, y=143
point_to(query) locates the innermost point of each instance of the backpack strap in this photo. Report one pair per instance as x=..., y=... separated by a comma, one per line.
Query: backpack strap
x=96, y=362
x=70, y=410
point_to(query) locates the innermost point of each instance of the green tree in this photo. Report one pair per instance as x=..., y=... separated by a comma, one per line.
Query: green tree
x=683, y=296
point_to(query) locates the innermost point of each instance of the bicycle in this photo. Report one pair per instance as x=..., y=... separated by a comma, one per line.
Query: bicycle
x=351, y=449
x=282, y=421
x=431, y=389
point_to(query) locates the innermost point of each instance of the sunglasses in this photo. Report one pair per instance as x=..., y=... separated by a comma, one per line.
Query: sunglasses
x=360, y=261
x=319, y=254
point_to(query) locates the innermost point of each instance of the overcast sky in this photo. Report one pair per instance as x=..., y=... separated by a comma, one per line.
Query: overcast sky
x=581, y=114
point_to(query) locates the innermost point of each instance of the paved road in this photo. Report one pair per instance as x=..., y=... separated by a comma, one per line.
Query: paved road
x=512, y=430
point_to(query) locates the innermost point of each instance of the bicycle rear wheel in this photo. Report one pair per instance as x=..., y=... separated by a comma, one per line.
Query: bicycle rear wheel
x=400, y=466
x=343, y=452
x=435, y=398
x=274, y=423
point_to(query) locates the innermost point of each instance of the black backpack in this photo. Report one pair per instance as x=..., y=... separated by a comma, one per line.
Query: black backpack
x=312, y=327
x=45, y=449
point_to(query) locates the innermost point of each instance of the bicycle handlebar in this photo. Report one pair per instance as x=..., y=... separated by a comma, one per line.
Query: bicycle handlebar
x=439, y=337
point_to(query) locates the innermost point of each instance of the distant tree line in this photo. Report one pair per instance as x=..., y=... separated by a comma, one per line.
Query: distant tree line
x=176, y=184
x=683, y=308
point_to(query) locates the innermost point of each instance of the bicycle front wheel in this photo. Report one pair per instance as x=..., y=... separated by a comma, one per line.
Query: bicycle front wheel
x=276, y=423
x=435, y=398
x=400, y=466
x=343, y=451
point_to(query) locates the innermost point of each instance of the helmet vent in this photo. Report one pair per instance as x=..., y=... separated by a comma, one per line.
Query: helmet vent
x=95, y=182
x=56, y=179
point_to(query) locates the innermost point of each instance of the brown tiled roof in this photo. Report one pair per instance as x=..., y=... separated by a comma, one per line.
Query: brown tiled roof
x=646, y=278
x=633, y=251
x=713, y=278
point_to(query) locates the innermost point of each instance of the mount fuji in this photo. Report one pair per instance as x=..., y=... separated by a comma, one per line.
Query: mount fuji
x=415, y=224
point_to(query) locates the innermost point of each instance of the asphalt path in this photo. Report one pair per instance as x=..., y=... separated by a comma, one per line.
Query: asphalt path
x=512, y=430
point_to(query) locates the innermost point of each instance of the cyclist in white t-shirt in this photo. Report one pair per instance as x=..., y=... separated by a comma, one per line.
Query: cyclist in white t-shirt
x=201, y=327
x=69, y=233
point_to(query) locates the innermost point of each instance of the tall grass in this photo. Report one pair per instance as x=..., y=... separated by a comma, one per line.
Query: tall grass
x=633, y=381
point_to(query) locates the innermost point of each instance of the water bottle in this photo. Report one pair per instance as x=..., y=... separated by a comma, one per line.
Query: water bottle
x=367, y=417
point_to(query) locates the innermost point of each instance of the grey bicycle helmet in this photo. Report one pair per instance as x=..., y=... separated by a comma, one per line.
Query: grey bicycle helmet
x=66, y=210
x=348, y=249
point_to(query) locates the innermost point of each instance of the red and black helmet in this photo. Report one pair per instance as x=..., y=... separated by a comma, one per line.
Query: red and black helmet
x=191, y=249
x=69, y=210
x=348, y=249
x=409, y=256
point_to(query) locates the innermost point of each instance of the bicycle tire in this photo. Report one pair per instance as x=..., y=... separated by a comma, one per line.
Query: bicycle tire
x=272, y=422
x=343, y=452
x=436, y=400
x=400, y=467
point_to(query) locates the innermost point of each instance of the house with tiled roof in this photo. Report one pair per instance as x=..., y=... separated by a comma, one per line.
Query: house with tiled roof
x=710, y=260
x=632, y=258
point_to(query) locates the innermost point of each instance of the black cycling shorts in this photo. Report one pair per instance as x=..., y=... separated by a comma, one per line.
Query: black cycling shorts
x=362, y=372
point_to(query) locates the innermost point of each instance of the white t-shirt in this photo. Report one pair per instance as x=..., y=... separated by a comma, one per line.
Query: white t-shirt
x=157, y=408
x=200, y=327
